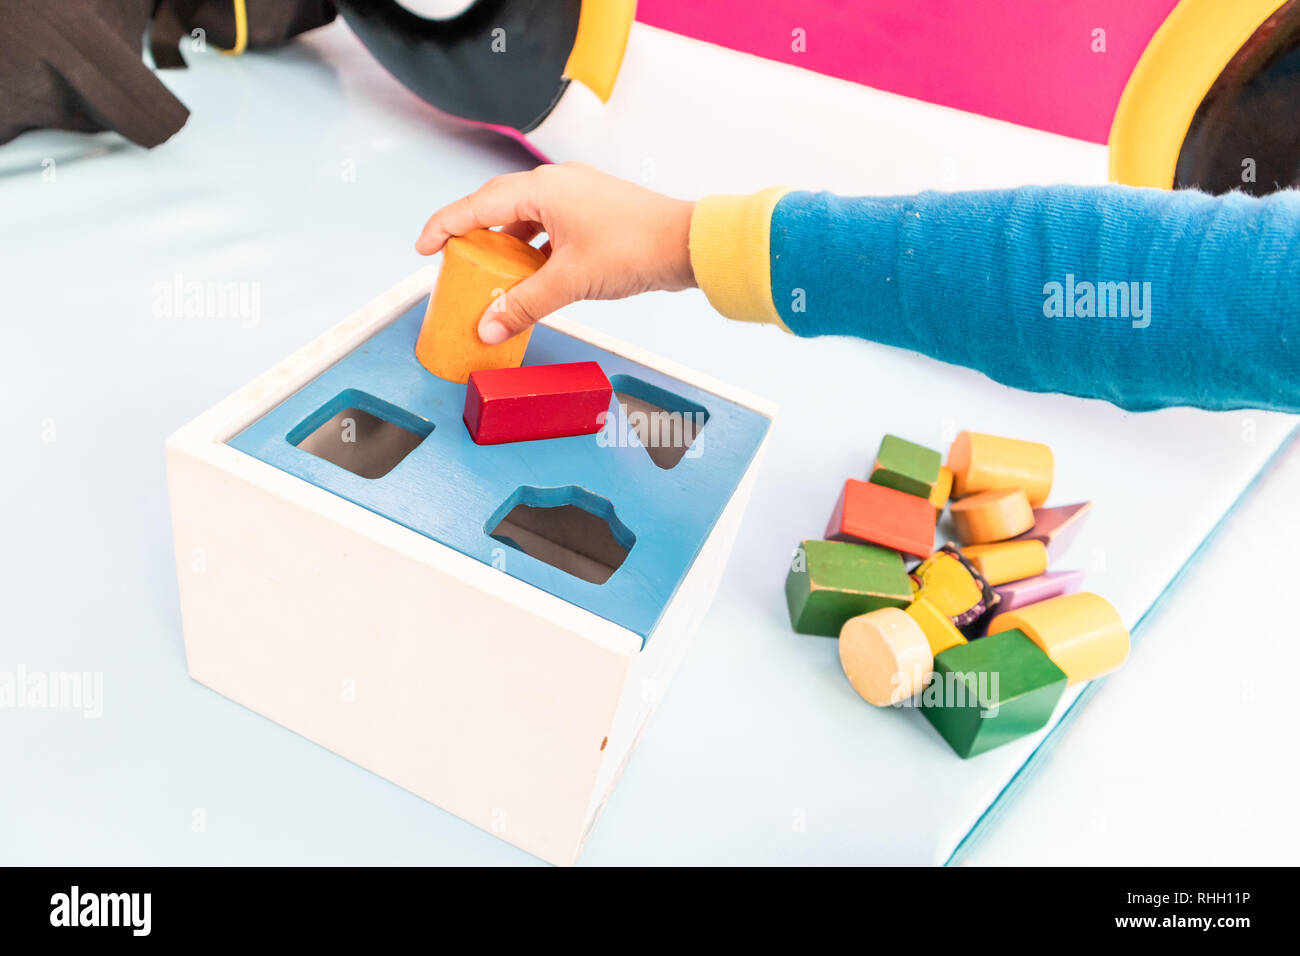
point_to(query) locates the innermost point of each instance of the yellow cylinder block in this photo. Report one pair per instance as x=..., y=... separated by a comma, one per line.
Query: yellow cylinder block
x=476, y=269
x=1082, y=633
x=987, y=462
x=1008, y=560
x=885, y=656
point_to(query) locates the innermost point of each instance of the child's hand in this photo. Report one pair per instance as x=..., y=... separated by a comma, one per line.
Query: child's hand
x=607, y=239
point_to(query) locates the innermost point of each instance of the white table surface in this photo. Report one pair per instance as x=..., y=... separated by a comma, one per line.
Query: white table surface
x=1184, y=756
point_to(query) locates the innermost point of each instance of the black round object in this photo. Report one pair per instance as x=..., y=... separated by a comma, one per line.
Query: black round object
x=1246, y=133
x=458, y=64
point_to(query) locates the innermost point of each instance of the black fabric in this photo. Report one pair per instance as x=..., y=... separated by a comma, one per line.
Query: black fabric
x=270, y=23
x=170, y=24
x=76, y=65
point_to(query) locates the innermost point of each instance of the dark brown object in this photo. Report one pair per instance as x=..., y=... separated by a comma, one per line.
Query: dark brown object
x=1248, y=118
x=76, y=65
x=270, y=23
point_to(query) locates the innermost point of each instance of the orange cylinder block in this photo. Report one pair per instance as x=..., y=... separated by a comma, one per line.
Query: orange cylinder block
x=992, y=516
x=476, y=269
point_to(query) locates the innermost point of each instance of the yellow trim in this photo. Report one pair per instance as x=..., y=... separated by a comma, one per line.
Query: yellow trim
x=1182, y=61
x=241, y=29
x=597, y=54
x=730, y=253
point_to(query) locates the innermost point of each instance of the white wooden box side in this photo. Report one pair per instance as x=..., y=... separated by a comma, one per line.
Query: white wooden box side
x=255, y=543
x=365, y=650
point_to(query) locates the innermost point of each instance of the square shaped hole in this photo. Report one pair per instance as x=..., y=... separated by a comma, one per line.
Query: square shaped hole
x=361, y=433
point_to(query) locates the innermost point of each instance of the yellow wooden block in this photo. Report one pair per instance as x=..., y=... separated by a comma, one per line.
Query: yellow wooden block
x=1082, y=633
x=942, y=489
x=476, y=269
x=992, y=515
x=1008, y=560
x=885, y=656
x=953, y=586
x=988, y=462
x=937, y=627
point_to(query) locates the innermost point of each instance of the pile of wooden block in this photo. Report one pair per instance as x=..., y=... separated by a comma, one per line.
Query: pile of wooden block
x=978, y=634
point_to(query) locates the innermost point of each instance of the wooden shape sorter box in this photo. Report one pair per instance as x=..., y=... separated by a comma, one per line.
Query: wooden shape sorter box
x=439, y=623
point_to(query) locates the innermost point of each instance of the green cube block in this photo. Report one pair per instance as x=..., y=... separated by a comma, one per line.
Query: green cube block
x=832, y=581
x=906, y=466
x=991, y=691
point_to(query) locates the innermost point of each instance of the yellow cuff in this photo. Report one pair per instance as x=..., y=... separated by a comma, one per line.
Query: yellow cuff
x=730, y=253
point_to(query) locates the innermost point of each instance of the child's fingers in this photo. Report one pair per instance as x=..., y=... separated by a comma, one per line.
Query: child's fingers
x=506, y=200
x=504, y=178
x=524, y=231
x=535, y=298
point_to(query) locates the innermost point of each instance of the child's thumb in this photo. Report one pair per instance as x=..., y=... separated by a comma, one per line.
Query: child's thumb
x=518, y=309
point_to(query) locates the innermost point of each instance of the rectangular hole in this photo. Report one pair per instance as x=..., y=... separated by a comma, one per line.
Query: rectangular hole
x=667, y=425
x=361, y=433
x=568, y=528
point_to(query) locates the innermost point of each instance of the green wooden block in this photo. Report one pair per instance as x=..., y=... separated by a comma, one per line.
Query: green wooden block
x=832, y=581
x=991, y=691
x=906, y=466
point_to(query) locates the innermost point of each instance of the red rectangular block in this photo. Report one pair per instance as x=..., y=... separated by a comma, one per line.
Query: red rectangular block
x=536, y=401
x=879, y=515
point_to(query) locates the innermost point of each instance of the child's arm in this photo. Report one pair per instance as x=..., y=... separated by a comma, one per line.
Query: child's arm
x=1013, y=283
x=1143, y=297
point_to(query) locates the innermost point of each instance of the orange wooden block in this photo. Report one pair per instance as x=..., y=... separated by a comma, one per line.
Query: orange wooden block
x=1082, y=633
x=992, y=516
x=885, y=655
x=476, y=269
x=1007, y=560
x=987, y=462
x=879, y=515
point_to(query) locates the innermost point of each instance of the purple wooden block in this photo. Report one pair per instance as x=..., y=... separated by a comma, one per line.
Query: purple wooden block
x=1050, y=584
x=1056, y=527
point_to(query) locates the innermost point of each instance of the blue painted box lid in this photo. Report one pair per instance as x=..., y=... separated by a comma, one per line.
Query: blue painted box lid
x=455, y=491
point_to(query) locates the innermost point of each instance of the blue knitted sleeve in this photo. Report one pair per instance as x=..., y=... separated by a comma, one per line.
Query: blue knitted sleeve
x=1143, y=297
